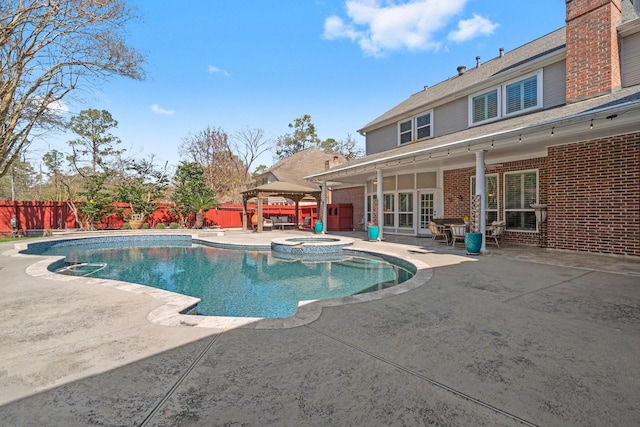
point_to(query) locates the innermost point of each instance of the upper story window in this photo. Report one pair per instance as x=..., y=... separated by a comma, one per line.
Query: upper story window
x=417, y=127
x=485, y=106
x=521, y=95
x=513, y=97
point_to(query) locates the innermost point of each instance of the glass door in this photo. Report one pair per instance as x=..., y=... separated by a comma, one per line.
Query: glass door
x=426, y=211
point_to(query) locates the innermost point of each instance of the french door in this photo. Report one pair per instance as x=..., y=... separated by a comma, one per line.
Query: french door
x=426, y=210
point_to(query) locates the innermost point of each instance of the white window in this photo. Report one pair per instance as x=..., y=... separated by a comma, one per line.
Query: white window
x=389, y=210
x=513, y=97
x=520, y=191
x=405, y=210
x=485, y=106
x=521, y=95
x=417, y=127
x=491, y=196
x=406, y=131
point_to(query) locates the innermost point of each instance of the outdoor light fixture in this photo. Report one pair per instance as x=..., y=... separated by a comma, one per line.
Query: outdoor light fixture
x=541, y=212
x=541, y=216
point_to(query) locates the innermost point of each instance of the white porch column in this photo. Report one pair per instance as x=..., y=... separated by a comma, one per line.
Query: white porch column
x=324, y=207
x=380, y=204
x=480, y=190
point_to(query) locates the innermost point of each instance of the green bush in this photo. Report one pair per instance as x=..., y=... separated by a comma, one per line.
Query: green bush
x=126, y=226
x=174, y=225
x=161, y=226
x=145, y=226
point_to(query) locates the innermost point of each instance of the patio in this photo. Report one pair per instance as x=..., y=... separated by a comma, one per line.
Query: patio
x=519, y=336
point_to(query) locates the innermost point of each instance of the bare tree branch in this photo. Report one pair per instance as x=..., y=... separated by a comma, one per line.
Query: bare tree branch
x=48, y=49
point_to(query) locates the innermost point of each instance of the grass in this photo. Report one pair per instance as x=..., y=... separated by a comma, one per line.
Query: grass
x=11, y=239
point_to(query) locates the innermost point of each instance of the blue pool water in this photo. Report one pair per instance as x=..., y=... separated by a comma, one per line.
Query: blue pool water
x=231, y=282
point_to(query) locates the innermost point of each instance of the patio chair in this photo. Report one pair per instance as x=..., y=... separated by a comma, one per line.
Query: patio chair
x=438, y=231
x=496, y=231
x=267, y=224
x=306, y=222
x=457, y=233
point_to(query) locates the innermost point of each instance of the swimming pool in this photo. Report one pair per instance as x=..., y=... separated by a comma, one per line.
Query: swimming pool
x=228, y=282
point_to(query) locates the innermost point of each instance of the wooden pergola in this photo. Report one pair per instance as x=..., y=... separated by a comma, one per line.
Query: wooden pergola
x=288, y=190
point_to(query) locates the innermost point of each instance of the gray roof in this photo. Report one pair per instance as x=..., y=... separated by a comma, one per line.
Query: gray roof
x=433, y=96
x=296, y=167
x=485, y=72
x=625, y=98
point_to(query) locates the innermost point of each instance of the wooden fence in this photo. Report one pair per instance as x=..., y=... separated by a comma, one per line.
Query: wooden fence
x=35, y=218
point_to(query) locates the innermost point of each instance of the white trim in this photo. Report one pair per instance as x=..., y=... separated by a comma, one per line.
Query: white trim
x=501, y=91
x=539, y=92
x=414, y=127
x=524, y=209
x=470, y=98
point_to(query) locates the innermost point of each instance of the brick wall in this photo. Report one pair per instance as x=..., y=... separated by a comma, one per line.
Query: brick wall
x=355, y=196
x=457, y=191
x=594, y=196
x=593, y=65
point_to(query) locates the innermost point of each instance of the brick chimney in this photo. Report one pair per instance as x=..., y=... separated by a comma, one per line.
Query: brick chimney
x=593, y=64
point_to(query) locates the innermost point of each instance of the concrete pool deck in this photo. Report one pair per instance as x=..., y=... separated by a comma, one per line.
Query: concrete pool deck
x=518, y=336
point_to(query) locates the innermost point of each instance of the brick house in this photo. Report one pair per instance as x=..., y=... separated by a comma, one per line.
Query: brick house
x=555, y=122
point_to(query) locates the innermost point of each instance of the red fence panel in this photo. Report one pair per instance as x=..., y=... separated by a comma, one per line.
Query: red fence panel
x=57, y=215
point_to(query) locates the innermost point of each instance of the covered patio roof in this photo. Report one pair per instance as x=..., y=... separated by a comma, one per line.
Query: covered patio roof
x=280, y=188
x=290, y=190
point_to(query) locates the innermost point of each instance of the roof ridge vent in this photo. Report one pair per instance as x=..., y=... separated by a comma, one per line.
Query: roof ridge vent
x=461, y=69
x=501, y=52
x=477, y=61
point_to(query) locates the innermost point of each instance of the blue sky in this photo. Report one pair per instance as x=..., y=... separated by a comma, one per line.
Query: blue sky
x=260, y=64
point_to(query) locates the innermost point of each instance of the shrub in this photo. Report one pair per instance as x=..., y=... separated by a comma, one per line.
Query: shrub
x=161, y=226
x=174, y=225
x=145, y=226
x=126, y=226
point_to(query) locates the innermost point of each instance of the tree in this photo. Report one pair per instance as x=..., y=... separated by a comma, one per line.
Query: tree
x=90, y=181
x=20, y=183
x=95, y=144
x=249, y=145
x=347, y=148
x=97, y=201
x=191, y=193
x=48, y=50
x=224, y=172
x=304, y=136
x=258, y=170
x=143, y=187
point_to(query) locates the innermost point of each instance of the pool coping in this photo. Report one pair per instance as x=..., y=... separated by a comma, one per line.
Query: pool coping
x=174, y=305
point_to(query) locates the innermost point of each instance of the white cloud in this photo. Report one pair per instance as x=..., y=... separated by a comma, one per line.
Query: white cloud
x=470, y=28
x=161, y=111
x=381, y=26
x=58, y=107
x=214, y=70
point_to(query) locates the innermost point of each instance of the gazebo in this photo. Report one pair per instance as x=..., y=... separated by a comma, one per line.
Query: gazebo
x=289, y=190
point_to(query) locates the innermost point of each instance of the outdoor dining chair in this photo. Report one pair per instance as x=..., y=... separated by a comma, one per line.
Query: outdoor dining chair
x=438, y=231
x=457, y=233
x=496, y=231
